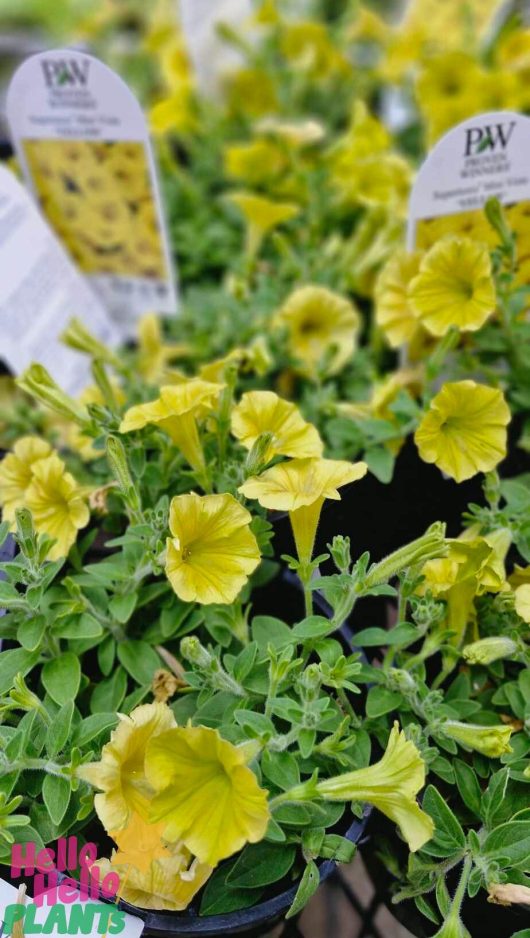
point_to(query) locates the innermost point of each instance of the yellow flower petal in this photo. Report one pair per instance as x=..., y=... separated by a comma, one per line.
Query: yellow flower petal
x=322, y=328
x=16, y=472
x=264, y=412
x=57, y=504
x=454, y=286
x=212, y=551
x=391, y=785
x=208, y=797
x=301, y=482
x=522, y=601
x=392, y=307
x=464, y=430
x=120, y=772
x=169, y=884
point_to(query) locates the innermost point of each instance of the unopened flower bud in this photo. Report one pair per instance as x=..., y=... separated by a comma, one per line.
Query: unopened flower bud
x=192, y=651
x=260, y=454
x=341, y=552
x=487, y=650
x=38, y=382
x=77, y=336
x=491, y=741
x=428, y=547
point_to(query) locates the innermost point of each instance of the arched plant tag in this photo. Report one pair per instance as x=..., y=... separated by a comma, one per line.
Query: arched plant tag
x=82, y=141
x=485, y=156
x=40, y=291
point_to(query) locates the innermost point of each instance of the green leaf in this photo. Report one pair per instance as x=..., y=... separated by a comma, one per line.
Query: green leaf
x=139, y=659
x=59, y=730
x=261, y=864
x=468, y=786
x=266, y=630
x=106, y=655
x=381, y=463
x=258, y=723
x=313, y=627
x=493, y=797
x=61, y=677
x=122, y=607
x=245, y=662
x=218, y=898
x=31, y=631
x=56, y=796
x=380, y=700
x=91, y=727
x=79, y=627
x=448, y=835
x=510, y=841
x=281, y=768
x=372, y=637
x=308, y=886
x=13, y=662
x=108, y=695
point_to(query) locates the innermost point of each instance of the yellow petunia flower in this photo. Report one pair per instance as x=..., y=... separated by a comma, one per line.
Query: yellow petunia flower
x=207, y=795
x=212, y=550
x=300, y=487
x=261, y=412
x=454, y=287
x=261, y=215
x=393, y=313
x=522, y=601
x=176, y=412
x=154, y=354
x=255, y=358
x=391, y=785
x=464, y=430
x=307, y=44
x=139, y=843
x=16, y=473
x=474, y=565
x=57, y=504
x=322, y=328
x=174, y=114
x=169, y=884
x=120, y=773
x=491, y=741
x=250, y=92
x=257, y=163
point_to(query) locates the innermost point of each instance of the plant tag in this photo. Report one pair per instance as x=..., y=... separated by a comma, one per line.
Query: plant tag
x=87, y=917
x=82, y=141
x=40, y=291
x=211, y=56
x=484, y=156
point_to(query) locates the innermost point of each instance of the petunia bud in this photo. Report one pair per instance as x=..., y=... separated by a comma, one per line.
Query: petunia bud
x=38, y=382
x=340, y=550
x=487, y=650
x=78, y=337
x=428, y=547
x=259, y=455
x=491, y=741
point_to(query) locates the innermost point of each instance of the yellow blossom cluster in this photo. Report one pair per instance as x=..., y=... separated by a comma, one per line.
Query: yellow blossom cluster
x=34, y=477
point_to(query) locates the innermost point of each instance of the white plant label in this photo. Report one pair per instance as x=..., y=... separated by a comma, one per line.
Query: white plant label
x=40, y=291
x=484, y=156
x=83, y=144
x=210, y=55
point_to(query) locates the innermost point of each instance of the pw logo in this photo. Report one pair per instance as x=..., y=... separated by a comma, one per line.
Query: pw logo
x=61, y=73
x=492, y=137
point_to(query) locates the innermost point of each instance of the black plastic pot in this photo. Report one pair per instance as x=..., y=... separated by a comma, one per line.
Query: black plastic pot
x=482, y=918
x=255, y=921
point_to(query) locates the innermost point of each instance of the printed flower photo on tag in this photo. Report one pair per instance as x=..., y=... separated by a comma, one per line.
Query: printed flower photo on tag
x=98, y=198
